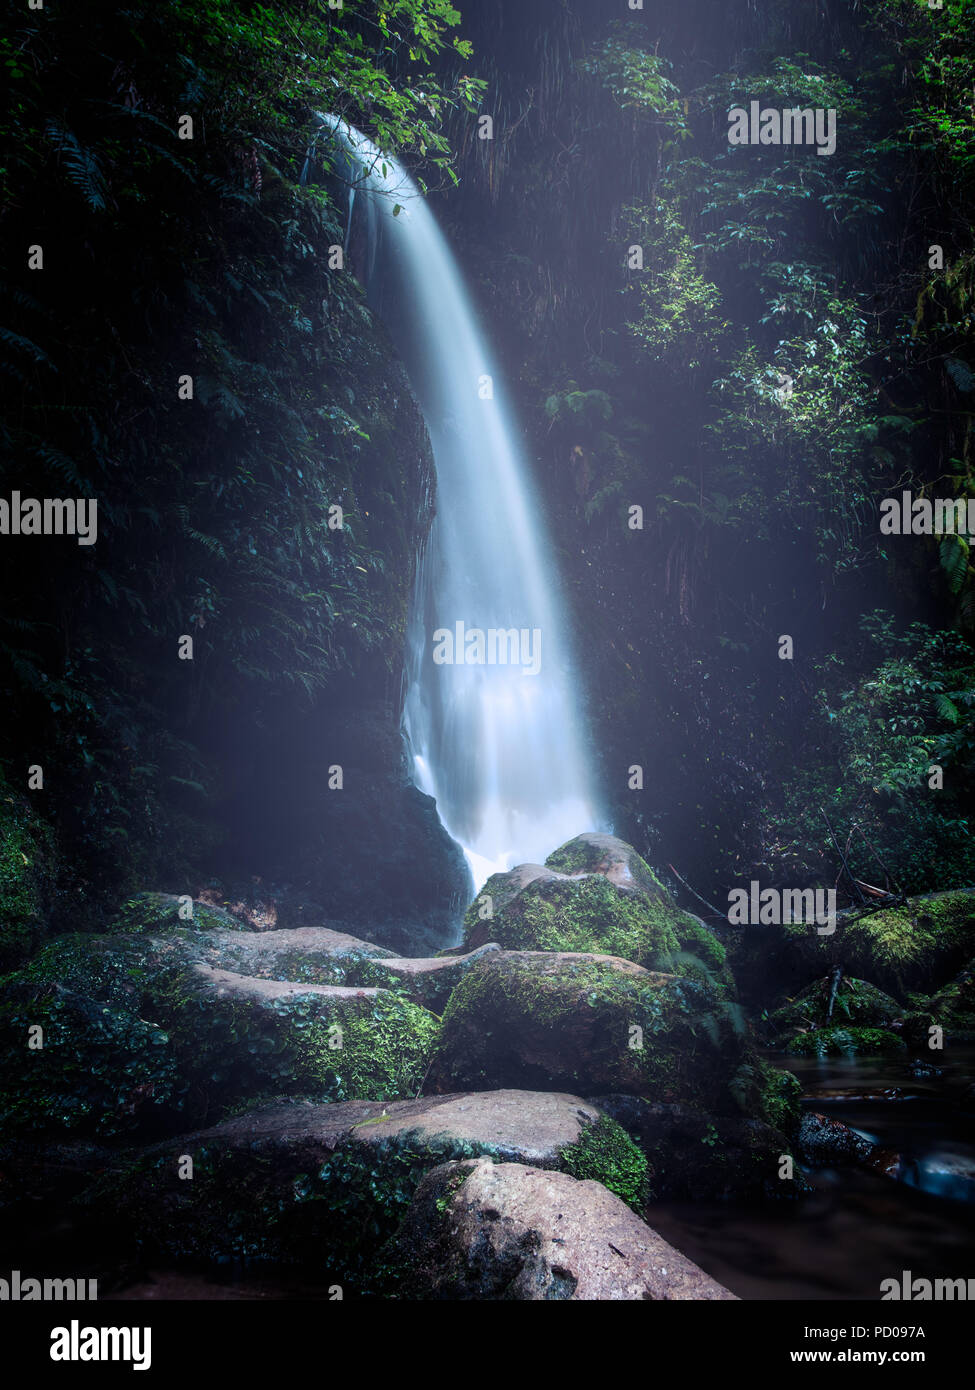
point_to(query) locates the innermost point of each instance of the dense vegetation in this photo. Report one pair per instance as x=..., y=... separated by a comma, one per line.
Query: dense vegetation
x=785, y=358
x=167, y=258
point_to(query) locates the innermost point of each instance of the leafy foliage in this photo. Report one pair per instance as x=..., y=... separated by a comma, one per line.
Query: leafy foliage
x=203, y=259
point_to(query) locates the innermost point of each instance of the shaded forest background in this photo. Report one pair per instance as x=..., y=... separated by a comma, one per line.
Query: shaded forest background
x=786, y=358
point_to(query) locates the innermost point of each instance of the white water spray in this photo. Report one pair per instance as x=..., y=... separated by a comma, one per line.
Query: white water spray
x=499, y=748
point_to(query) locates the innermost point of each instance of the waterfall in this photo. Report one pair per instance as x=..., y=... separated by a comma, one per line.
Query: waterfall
x=494, y=740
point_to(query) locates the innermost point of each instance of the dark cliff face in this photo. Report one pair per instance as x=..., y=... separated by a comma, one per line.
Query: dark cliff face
x=189, y=358
x=363, y=845
x=370, y=851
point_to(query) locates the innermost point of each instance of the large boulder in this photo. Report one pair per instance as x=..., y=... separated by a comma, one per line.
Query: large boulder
x=853, y=1002
x=595, y=894
x=481, y=1230
x=953, y=1007
x=588, y=1023
x=325, y=1185
x=144, y=1032
x=827, y=1142
x=907, y=948
x=916, y=946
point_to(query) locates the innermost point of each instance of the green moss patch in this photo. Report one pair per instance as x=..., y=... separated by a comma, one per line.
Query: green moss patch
x=607, y=1154
x=855, y=1002
x=578, y=1024
x=28, y=872
x=913, y=947
x=136, y=1037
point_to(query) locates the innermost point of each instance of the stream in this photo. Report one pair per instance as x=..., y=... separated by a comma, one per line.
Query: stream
x=856, y=1227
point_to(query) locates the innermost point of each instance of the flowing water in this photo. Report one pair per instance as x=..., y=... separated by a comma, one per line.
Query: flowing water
x=856, y=1227
x=496, y=742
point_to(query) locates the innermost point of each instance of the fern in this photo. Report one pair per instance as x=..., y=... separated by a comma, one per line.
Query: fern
x=83, y=168
x=953, y=553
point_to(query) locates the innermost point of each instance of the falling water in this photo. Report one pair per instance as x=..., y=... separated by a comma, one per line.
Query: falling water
x=497, y=746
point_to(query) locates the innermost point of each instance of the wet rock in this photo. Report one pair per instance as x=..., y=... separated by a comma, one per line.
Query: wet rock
x=480, y=1230
x=590, y=1023
x=915, y=946
x=142, y=1033
x=953, y=1007
x=920, y=1068
x=855, y=1002
x=325, y=1184
x=595, y=894
x=826, y=1142
x=947, y=1173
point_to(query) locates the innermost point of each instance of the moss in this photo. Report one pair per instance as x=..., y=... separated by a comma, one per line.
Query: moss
x=703, y=954
x=855, y=1002
x=583, y=914
x=698, y=939
x=603, y=854
x=101, y=1069
x=914, y=946
x=586, y=1027
x=953, y=1007
x=845, y=1042
x=574, y=858
x=606, y=1153
x=245, y=1203
x=769, y=1094
x=136, y=1038
x=160, y=912
x=384, y=1054
x=609, y=903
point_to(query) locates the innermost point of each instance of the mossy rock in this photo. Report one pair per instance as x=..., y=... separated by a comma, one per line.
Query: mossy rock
x=577, y=1022
x=28, y=877
x=913, y=947
x=693, y=1156
x=769, y=1094
x=479, y=1230
x=139, y=1034
x=160, y=912
x=595, y=894
x=614, y=859
x=856, y=1002
x=324, y=1186
x=952, y=1008
x=846, y=1042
